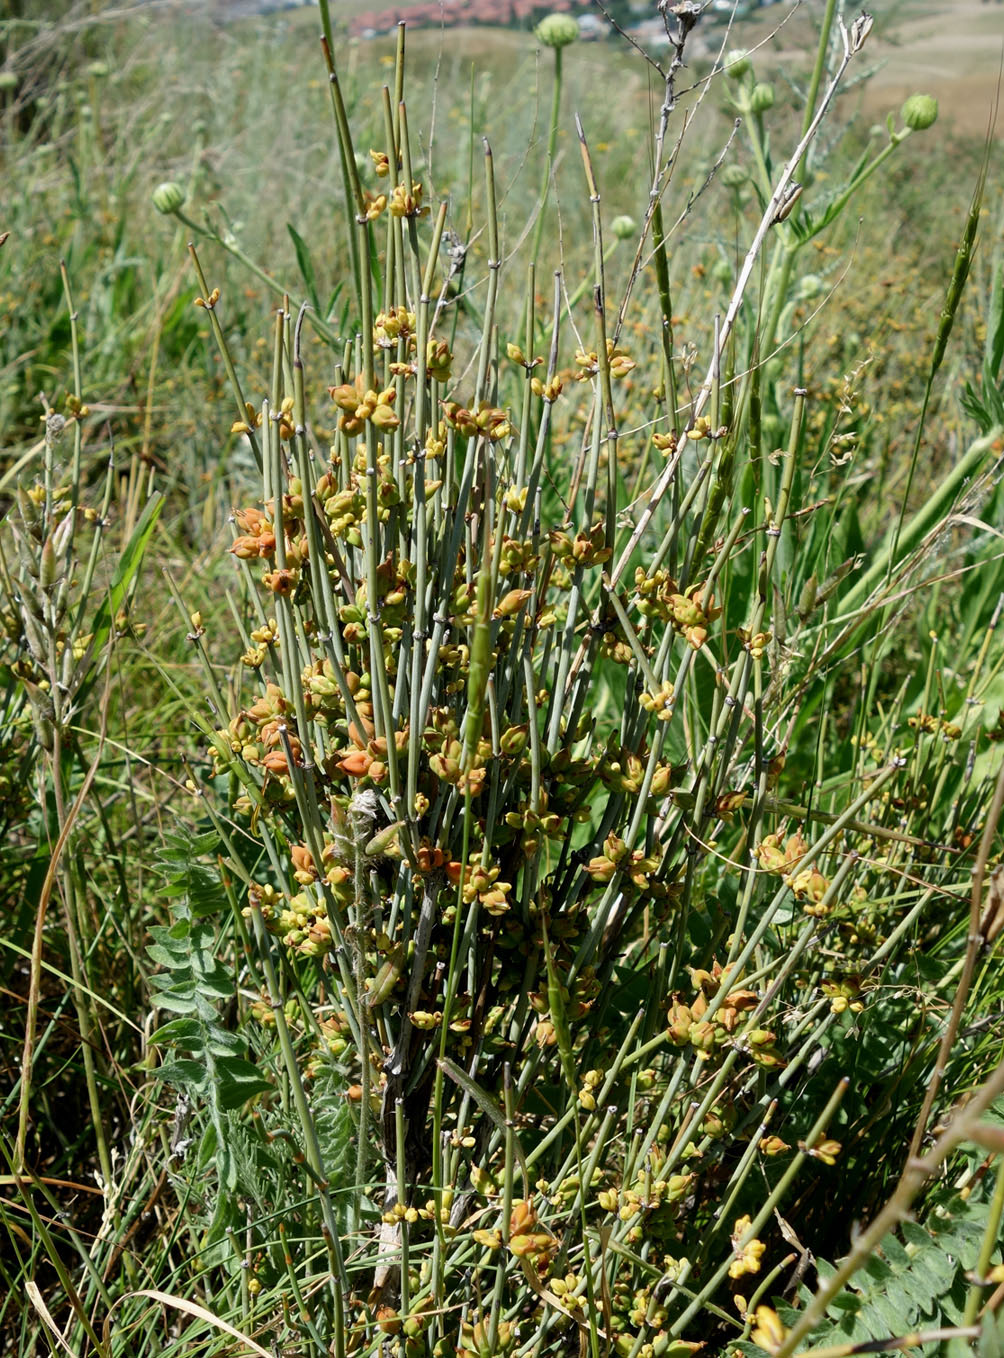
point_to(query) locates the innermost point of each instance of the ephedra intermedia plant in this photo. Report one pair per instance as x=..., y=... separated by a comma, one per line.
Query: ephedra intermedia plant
x=579, y=813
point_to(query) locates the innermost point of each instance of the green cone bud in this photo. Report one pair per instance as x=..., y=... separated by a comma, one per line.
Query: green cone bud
x=623, y=227
x=737, y=64
x=761, y=98
x=168, y=197
x=734, y=176
x=919, y=112
x=810, y=287
x=557, y=30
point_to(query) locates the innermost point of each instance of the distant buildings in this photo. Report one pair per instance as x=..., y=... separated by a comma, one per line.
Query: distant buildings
x=452, y=13
x=632, y=15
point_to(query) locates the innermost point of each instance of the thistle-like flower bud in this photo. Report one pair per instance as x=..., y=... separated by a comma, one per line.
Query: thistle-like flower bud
x=810, y=287
x=737, y=64
x=623, y=227
x=168, y=197
x=734, y=176
x=761, y=97
x=557, y=30
x=919, y=112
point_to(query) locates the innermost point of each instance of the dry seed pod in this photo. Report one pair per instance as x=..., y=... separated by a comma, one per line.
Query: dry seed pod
x=29, y=598
x=860, y=29
x=33, y=636
x=30, y=512
x=48, y=569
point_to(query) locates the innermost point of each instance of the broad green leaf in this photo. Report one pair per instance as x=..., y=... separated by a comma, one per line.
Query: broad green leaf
x=182, y=1032
x=183, y=1074
x=175, y=1003
x=238, y=1081
x=165, y=958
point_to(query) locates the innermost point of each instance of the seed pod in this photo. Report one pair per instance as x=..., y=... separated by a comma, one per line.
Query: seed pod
x=860, y=29
x=381, y=842
x=791, y=197
x=31, y=513
x=45, y=732
x=807, y=598
x=48, y=568
x=386, y=978
x=31, y=600
x=33, y=636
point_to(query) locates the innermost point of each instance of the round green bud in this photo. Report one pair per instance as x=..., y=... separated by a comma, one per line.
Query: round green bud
x=737, y=64
x=168, y=197
x=623, y=227
x=810, y=286
x=8, y=80
x=721, y=271
x=557, y=30
x=734, y=177
x=761, y=98
x=919, y=112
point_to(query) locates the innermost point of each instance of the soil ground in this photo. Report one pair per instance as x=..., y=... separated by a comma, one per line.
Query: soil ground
x=951, y=49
